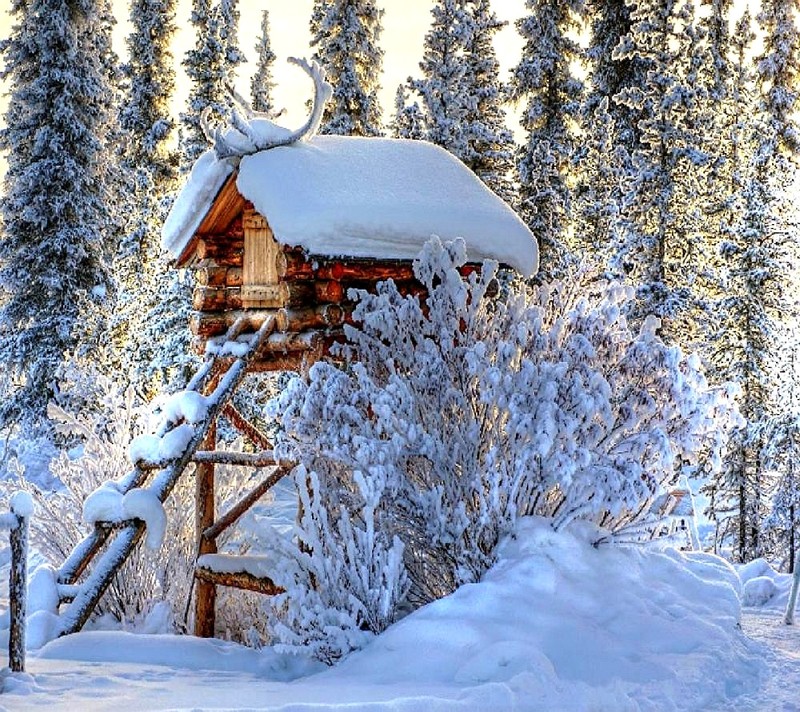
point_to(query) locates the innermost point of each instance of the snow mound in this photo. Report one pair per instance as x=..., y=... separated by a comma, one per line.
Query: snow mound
x=22, y=504
x=579, y=627
x=104, y=504
x=108, y=504
x=189, y=406
x=145, y=505
x=154, y=449
x=177, y=651
x=758, y=591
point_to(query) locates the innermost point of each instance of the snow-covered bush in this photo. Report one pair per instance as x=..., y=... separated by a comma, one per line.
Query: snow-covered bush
x=458, y=416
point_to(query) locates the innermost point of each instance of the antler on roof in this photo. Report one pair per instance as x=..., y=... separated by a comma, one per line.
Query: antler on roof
x=240, y=140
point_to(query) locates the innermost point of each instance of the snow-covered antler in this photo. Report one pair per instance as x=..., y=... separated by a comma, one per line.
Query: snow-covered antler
x=239, y=139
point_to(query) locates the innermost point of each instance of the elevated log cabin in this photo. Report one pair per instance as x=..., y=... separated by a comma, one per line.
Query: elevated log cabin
x=288, y=230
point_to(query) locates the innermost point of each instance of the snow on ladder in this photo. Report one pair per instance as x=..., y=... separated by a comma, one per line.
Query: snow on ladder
x=118, y=535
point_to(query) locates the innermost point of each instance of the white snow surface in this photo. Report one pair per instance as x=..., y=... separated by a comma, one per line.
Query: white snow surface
x=155, y=449
x=104, y=504
x=208, y=175
x=21, y=504
x=555, y=625
x=256, y=565
x=141, y=503
x=361, y=197
x=108, y=504
x=188, y=406
x=758, y=593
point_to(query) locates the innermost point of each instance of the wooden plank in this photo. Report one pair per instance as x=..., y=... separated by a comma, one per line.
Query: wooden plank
x=245, y=427
x=233, y=515
x=240, y=579
x=259, y=268
x=227, y=205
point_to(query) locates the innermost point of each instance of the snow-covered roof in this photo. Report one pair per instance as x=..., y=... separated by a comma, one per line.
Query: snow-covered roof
x=360, y=197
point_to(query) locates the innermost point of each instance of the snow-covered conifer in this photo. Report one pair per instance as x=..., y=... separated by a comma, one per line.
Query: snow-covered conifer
x=441, y=88
x=408, y=120
x=460, y=95
x=759, y=257
x=659, y=248
x=54, y=204
x=144, y=276
x=545, y=82
x=229, y=34
x=262, y=84
x=346, y=42
x=611, y=69
x=489, y=144
x=778, y=70
x=207, y=67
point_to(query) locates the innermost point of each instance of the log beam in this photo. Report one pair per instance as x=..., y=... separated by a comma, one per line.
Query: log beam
x=240, y=579
x=265, y=458
x=245, y=427
x=237, y=510
x=205, y=592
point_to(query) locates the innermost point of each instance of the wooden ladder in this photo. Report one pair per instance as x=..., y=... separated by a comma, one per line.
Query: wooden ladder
x=96, y=559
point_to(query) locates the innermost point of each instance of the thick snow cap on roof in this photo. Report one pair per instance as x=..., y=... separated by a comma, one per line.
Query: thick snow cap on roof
x=363, y=197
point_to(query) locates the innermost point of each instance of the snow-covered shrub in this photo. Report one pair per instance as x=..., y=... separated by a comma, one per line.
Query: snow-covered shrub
x=334, y=603
x=458, y=416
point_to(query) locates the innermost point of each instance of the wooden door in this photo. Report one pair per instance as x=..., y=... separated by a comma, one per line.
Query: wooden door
x=259, y=269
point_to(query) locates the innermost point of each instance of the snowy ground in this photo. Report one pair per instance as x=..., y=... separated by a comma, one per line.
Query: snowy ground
x=556, y=625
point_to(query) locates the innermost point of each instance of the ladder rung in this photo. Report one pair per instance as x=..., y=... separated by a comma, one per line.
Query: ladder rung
x=240, y=579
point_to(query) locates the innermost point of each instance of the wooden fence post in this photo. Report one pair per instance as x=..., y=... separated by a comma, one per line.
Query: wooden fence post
x=789, y=617
x=205, y=591
x=21, y=509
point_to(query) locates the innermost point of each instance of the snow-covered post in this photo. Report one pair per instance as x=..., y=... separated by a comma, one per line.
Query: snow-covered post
x=18, y=521
x=789, y=617
x=206, y=592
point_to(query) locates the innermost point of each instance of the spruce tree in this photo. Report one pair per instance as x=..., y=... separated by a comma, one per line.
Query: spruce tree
x=758, y=256
x=441, y=88
x=543, y=79
x=144, y=276
x=207, y=67
x=229, y=34
x=460, y=96
x=660, y=221
x=408, y=120
x=778, y=72
x=54, y=205
x=489, y=144
x=346, y=42
x=262, y=84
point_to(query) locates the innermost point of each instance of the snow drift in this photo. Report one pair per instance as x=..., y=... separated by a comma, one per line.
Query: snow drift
x=555, y=624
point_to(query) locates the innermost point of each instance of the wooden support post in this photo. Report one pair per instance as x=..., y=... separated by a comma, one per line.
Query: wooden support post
x=205, y=591
x=17, y=591
x=790, y=606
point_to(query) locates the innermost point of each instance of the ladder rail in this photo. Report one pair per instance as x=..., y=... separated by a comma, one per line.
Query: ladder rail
x=120, y=548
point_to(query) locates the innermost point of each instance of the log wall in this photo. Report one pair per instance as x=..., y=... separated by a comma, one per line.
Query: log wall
x=306, y=293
